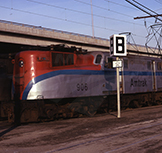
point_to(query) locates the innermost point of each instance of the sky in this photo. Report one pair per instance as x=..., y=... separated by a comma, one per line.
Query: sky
x=109, y=17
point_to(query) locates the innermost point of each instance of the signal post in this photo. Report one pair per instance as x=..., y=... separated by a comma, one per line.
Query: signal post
x=118, y=48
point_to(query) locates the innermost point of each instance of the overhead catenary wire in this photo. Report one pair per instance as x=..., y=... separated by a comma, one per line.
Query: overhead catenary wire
x=103, y=8
x=86, y=13
x=145, y=7
x=142, y=8
x=67, y=20
x=61, y=19
x=148, y=9
x=120, y=4
x=158, y=1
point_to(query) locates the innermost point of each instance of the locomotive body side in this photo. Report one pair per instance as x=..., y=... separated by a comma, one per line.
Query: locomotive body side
x=141, y=74
x=51, y=75
x=158, y=75
x=72, y=82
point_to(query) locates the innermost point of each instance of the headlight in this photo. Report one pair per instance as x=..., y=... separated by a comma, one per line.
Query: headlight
x=21, y=63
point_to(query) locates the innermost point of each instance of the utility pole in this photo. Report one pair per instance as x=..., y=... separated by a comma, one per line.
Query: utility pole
x=92, y=19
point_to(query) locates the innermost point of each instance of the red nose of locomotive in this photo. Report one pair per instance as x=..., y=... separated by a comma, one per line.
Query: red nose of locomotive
x=27, y=66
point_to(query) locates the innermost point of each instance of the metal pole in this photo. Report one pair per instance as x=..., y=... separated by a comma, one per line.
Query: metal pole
x=92, y=19
x=118, y=88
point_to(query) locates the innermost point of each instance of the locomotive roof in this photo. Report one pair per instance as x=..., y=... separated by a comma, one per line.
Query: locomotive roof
x=60, y=47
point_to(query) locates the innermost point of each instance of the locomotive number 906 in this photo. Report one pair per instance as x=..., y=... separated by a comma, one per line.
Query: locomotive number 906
x=82, y=87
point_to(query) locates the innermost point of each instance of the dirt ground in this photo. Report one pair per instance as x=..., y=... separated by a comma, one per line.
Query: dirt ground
x=138, y=130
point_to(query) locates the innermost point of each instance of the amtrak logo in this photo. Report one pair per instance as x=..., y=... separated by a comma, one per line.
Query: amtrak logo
x=138, y=83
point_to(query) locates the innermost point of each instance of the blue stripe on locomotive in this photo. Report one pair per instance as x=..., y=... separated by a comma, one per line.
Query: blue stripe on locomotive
x=82, y=72
x=137, y=73
x=158, y=73
x=63, y=72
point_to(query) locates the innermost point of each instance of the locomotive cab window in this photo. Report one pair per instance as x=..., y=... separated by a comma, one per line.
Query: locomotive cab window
x=126, y=63
x=60, y=59
x=98, y=59
x=69, y=59
x=159, y=65
x=108, y=62
x=149, y=65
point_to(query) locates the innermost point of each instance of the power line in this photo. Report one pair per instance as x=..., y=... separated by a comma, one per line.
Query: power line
x=143, y=9
x=103, y=8
x=64, y=8
x=96, y=15
x=120, y=4
x=158, y=1
x=47, y=16
x=61, y=19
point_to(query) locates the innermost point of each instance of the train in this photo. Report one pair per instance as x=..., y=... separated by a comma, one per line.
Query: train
x=63, y=81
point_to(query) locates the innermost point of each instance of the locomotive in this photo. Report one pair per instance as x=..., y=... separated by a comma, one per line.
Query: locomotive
x=67, y=82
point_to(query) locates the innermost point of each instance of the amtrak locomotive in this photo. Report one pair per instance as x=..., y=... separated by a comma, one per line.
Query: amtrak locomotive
x=67, y=82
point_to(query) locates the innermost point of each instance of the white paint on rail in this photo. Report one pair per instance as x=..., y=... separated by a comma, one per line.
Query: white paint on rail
x=135, y=124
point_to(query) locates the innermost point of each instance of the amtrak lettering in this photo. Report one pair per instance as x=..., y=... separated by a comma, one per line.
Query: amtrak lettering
x=138, y=83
